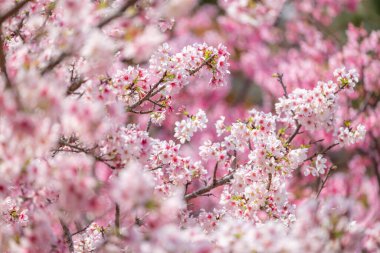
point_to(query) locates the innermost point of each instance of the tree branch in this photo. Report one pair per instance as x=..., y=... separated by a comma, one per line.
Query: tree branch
x=3, y=65
x=117, y=14
x=321, y=152
x=269, y=181
x=214, y=173
x=324, y=182
x=67, y=235
x=294, y=133
x=154, y=91
x=13, y=11
x=215, y=184
x=117, y=219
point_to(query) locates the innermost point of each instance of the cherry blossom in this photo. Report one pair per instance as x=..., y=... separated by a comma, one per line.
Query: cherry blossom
x=188, y=126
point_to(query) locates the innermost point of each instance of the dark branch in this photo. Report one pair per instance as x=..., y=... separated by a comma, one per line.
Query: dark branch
x=321, y=152
x=202, y=191
x=13, y=11
x=324, y=181
x=215, y=171
x=117, y=14
x=117, y=219
x=3, y=65
x=294, y=133
x=67, y=235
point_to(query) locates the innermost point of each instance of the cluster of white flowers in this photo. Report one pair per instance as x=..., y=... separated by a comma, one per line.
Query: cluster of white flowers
x=89, y=240
x=127, y=85
x=318, y=169
x=237, y=140
x=219, y=126
x=314, y=109
x=126, y=144
x=348, y=136
x=344, y=77
x=177, y=68
x=186, y=128
x=158, y=117
x=216, y=150
x=166, y=162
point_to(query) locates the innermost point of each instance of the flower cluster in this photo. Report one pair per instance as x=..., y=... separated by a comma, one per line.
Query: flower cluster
x=318, y=169
x=89, y=240
x=349, y=136
x=177, y=68
x=186, y=128
x=98, y=154
x=346, y=78
x=170, y=168
x=315, y=109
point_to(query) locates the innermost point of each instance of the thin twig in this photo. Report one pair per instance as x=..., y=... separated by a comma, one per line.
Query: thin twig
x=324, y=182
x=206, y=62
x=321, y=152
x=54, y=63
x=149, y=94
x=281, y=81
x=290, y=139
x=298, y=125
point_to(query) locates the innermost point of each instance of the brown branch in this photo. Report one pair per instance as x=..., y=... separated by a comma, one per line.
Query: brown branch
x=17, y=32
x=13, y=11
x=3, y=65
x=321, y=152
x=324, y=182
x=315, y=142
x=294, y=133
x=54, y=63
x=117, y=219
x=215, y=184
x=67, y=235
x=281, y=81
x=149, y=94
x=74, y=86
x=77, y=149
x=82, y=229
x=269, y=181
x=155, y=90
x=141, y=112
x=3, y=68
x=117, y=14
x=214, y=173
x=206, y=62
x=156, y=103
